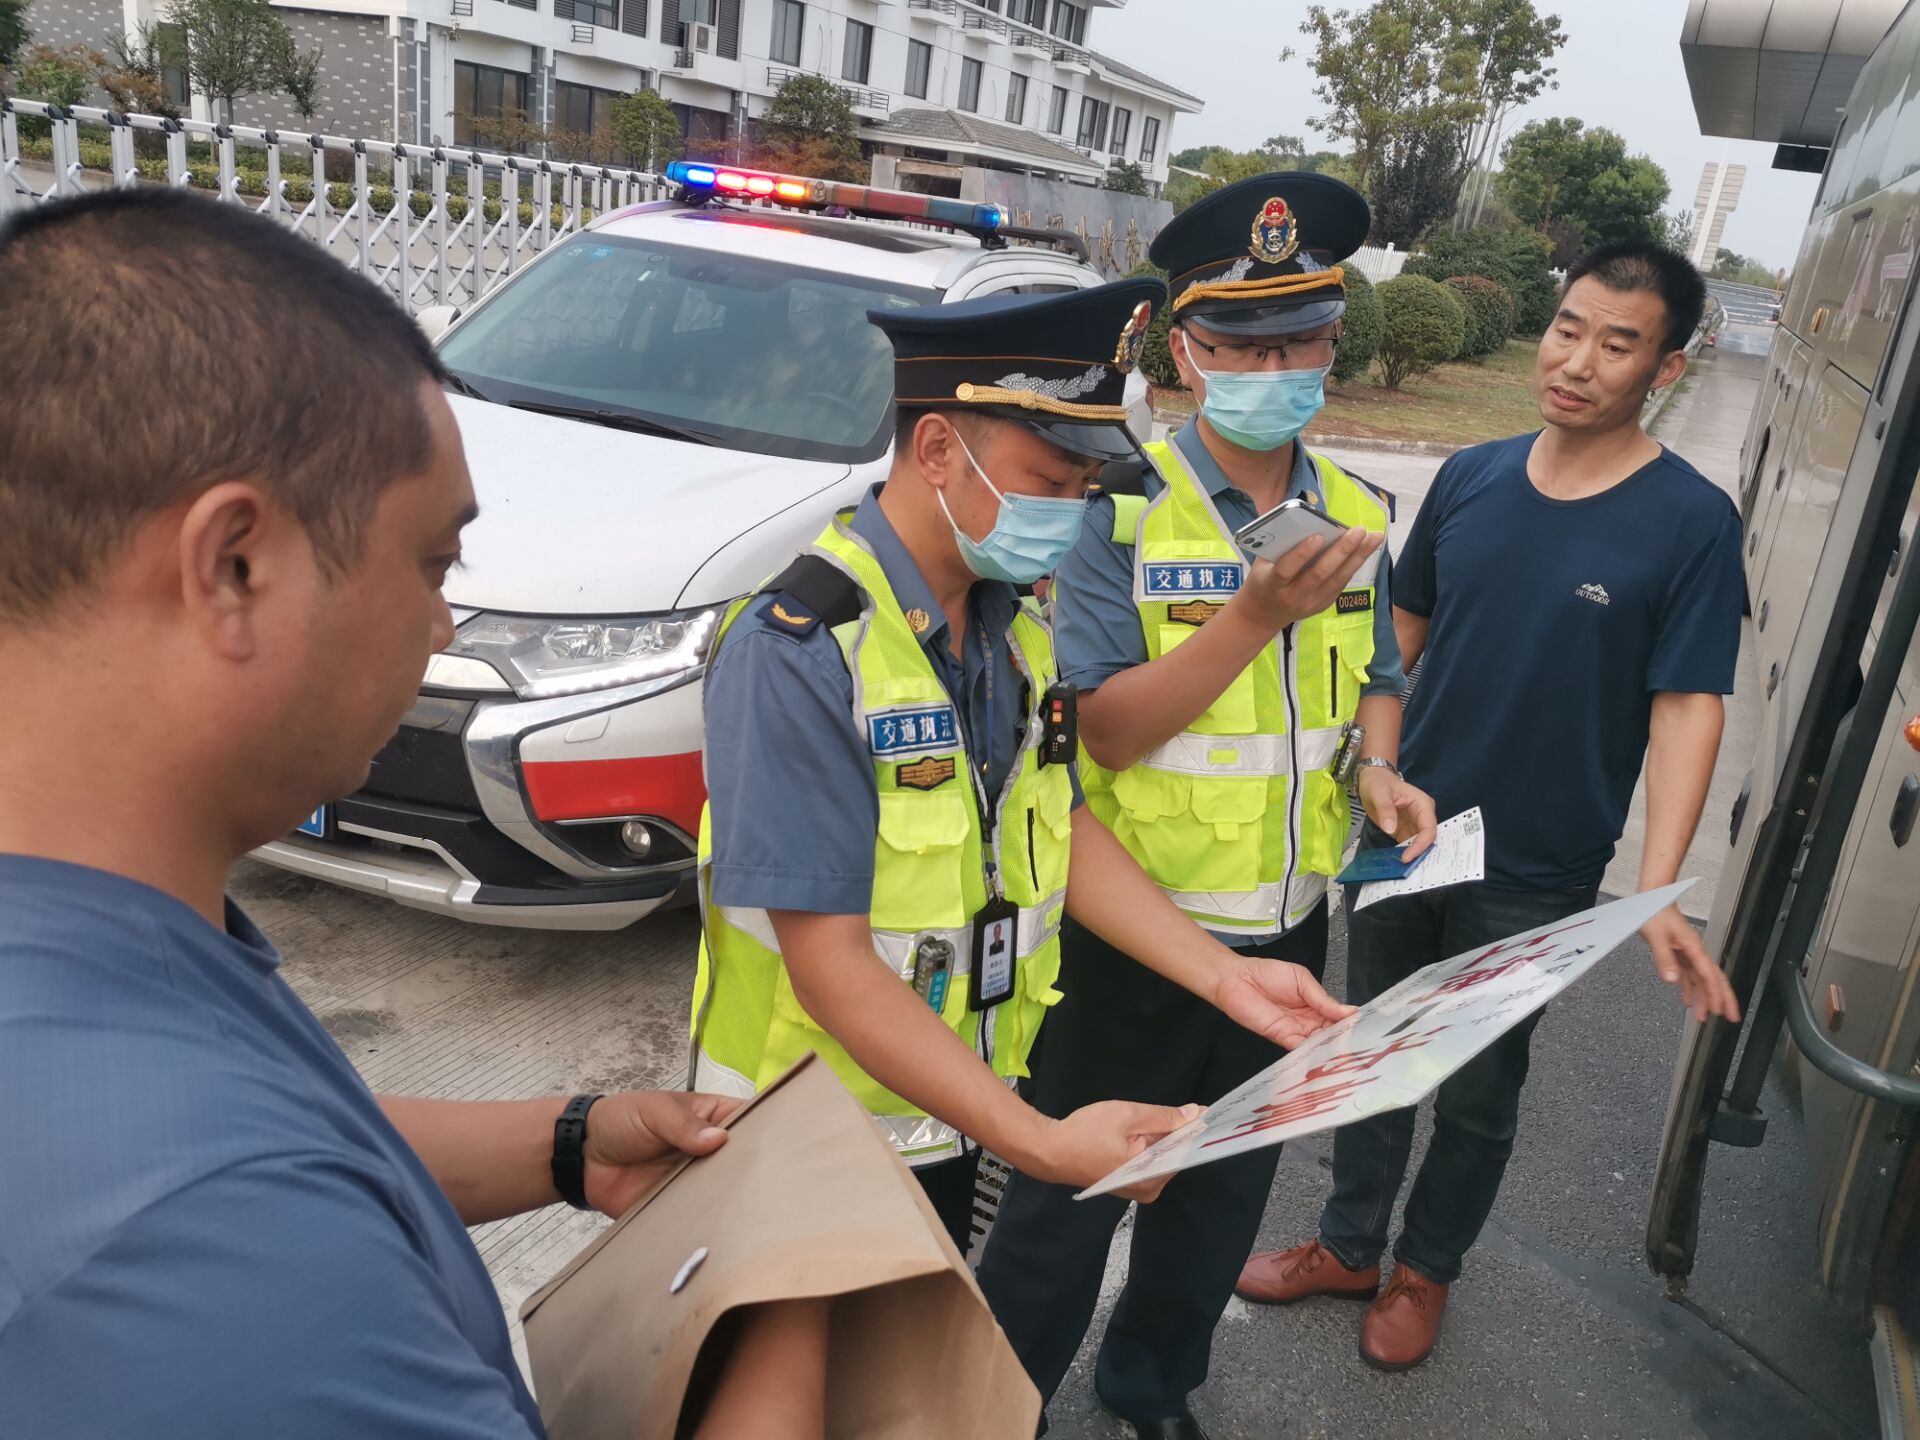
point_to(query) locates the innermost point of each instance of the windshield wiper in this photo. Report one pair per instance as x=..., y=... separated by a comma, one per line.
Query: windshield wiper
x=613, y=420
x=460, y=385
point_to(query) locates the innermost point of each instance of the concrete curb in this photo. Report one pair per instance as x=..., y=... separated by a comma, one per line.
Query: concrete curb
x=1384, y=447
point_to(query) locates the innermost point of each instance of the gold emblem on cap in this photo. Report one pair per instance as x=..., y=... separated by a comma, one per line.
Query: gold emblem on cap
x=1133, y=337
x=919, y=620
x=963, y=391
x=1276, y=232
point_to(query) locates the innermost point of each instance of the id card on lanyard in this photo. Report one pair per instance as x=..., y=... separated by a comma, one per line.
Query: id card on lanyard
x=996, y=926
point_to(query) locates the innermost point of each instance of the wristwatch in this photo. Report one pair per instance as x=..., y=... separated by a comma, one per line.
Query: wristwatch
x=569, y=1163
x=1372, y=762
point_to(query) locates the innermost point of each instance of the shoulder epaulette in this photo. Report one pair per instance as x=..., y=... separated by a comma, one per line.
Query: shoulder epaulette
x=810, y=591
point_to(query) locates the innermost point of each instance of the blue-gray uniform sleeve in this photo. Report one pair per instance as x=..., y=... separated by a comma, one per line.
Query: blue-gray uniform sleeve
x=1096, y=625
x=1385, y=674
x=790, y=786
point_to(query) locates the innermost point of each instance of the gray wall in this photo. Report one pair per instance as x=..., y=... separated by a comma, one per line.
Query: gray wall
x=1117, y=228
x=356, y=77
x=61, y=23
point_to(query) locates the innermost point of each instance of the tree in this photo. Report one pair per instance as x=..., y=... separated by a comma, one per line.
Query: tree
x=231, y=46
x=14, y=32
x=1360, y=327
x=1126, y=178
x=1558, y=170
x=297, y=73
x=1515, y=258
x=1423, y=324
x=810, y=129
x=1414, y=85
x=645, y=126
x=58, y=75
x=134, y=77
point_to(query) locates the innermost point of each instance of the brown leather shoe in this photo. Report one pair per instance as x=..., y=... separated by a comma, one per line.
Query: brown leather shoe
x=1280, y=1277
x=1402, y=1325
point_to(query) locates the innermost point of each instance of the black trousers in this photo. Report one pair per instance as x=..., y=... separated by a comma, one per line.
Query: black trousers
x=949, y=1186
x=1124, y=1033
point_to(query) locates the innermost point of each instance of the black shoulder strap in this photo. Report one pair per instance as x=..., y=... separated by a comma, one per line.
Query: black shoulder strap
x=822, y=587
x=1124, y=477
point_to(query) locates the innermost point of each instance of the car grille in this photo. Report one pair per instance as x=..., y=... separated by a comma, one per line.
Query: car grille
x=425, y=763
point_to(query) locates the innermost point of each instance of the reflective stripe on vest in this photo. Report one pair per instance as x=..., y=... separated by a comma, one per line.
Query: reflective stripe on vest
x=1238, y=818
x=929, y=871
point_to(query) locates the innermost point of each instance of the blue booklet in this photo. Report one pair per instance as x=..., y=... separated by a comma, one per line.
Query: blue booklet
x=1382, y=864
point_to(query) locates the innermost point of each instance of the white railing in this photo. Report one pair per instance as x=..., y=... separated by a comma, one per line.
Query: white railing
x=401, y=215
x=1378, y=262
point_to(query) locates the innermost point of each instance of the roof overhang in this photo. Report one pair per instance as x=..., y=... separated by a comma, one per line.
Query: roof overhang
x=1778, y=70
x=1079, y=169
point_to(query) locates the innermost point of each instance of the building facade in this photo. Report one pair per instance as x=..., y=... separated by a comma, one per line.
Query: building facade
x=1000, y=84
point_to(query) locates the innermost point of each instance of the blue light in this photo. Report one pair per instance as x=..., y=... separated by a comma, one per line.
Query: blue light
x=682, y=172
x=989, y=216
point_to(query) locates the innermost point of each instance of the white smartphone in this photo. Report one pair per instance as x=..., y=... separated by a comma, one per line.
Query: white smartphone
x=1289, y=523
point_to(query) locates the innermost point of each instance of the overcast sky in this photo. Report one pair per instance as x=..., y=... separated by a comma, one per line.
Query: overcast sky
x=1619, y=68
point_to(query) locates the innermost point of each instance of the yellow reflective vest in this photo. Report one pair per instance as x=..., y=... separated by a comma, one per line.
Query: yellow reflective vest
x=932, y=861
x=1239, y=818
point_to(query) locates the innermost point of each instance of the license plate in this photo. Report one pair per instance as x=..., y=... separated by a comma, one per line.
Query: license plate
x=314, y=824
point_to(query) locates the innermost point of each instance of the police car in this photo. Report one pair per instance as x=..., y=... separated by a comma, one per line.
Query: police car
x=659, y=412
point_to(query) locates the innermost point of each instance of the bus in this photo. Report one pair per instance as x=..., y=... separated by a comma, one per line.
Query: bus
x=1817, y=919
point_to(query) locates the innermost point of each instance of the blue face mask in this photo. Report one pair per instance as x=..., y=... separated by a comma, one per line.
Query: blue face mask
x=1265, y=409
x=1029, y=539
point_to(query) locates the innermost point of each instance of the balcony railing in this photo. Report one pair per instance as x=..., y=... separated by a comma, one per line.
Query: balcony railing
x=861, y=96
x=937, y=7
x=983, y=20
x=583, y=34
x=683, y=59
x=462, y=7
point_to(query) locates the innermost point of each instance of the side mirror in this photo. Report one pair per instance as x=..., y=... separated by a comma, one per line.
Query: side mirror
x=1139, y=406
x=434, y=320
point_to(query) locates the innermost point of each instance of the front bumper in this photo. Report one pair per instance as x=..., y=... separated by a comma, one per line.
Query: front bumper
x=448, y=821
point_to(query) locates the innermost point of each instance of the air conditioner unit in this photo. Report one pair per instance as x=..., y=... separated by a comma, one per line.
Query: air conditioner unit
x=703, y=38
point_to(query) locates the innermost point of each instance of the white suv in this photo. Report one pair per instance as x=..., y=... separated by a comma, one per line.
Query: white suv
x=658, y=413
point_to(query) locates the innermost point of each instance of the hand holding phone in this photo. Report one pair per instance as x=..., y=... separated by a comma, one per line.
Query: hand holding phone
x=1293, y=578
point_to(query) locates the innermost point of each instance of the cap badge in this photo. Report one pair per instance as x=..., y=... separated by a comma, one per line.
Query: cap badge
x=1276, y=234
x=1133, y=337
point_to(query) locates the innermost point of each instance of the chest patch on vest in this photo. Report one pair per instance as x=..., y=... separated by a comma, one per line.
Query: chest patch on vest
x=928, y=774
x=898, y=731
x=1194, y=612
x=1181, y=579
x=1349, y=602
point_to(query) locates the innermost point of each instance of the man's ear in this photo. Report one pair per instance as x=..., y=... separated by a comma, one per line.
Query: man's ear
x=936, y=449
x=1182, y=354
x=223, y=564
x=1672, y=367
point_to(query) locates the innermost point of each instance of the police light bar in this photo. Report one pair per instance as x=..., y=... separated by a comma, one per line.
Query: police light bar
x=705, y=181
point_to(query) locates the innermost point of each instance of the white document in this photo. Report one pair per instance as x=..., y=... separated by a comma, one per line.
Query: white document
x=1458, y=854
x=1397, y=1050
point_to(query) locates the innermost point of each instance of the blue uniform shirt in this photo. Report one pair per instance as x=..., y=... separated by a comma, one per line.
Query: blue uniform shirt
x=1096, y=623
x=207, y=1225
x=1552, y=625
x=790, y=779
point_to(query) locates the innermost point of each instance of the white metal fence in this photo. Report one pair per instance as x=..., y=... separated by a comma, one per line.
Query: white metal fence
x=405, y=216
x=1379, y=262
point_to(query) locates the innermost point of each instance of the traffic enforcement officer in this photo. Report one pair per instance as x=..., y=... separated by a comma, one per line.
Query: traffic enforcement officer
x=1219, y=699
x=894, y=827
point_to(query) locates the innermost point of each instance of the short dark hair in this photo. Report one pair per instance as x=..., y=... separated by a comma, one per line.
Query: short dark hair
x=158, y=343
x=1648, y=265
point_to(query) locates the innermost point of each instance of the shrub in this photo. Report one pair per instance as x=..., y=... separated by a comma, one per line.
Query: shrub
x=1360, y=340
x=1515, y=258
x=1156, y=359
x=1423, y=325
x=1490, y=312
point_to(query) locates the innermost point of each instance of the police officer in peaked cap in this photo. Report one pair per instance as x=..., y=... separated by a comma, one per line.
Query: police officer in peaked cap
x=895, y=830
x=1223, y=703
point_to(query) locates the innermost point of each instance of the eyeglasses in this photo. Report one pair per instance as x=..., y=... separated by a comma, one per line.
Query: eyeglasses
x=1310, y=354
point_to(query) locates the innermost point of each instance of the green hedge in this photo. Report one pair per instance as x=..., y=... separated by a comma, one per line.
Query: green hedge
x=1490, y=314
x=1425, y=325
x=1156, y=360
x=1515, y=258
x=1360, y=340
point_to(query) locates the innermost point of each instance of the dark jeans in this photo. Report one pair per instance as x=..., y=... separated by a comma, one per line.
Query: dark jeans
x=1475, y=1112
x=949, y=1186
x=1124, y=1033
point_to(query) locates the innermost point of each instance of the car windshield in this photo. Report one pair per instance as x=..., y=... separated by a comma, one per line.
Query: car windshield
x=746, y=353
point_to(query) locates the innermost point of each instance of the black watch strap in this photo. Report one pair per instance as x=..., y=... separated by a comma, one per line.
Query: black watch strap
x=570, y=1151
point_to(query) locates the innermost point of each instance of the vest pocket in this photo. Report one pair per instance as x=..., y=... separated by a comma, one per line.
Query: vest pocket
x=1050, y=832
x=1194, y=832
x=917, y=883
x=1233, y=712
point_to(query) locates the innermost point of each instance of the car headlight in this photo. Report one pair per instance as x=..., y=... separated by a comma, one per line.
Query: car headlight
x=545, y=658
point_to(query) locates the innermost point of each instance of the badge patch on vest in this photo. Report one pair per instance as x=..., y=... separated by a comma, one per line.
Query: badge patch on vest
x=1194, y=612
x=1220, y=581
x=898, y=731
x=1349, y=602
x=928, y=774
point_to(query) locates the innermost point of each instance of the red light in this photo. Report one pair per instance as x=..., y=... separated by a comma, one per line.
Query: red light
x=730, y=180
x=790, y=190
x=759, y=185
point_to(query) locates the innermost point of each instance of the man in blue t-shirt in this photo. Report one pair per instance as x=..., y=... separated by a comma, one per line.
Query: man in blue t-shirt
x=215, y=605
x=1575, y=595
